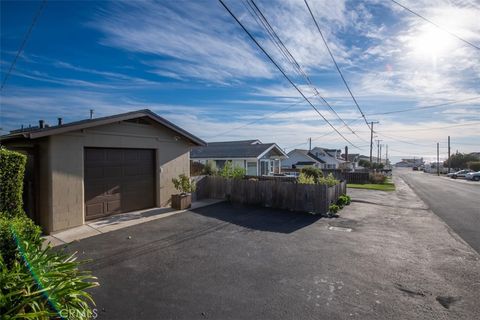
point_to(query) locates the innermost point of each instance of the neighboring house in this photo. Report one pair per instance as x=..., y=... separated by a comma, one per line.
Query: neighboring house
x=98, y=167
x=300, y=158
x=255, y=157
x=331, y=157
x=409, y=163
x=352, y=160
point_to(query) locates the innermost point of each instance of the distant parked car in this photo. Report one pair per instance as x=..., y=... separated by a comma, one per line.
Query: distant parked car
x=415, y=168
x=475, y=176
x=459, y=174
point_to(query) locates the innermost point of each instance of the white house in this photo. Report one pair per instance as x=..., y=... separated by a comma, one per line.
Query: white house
x=331, y=157
x=257, y=158
x=300, y=158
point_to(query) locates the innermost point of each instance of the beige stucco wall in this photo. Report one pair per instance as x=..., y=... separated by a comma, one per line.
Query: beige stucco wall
x=62, y=167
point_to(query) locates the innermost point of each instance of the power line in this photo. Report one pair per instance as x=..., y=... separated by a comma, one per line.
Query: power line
x=261, y=118
x=335, y=63
x=424, y=107
x=423, y=129
x=402, y=141
x=324, y=135
x=436, y=25
x=283, y=73
x=24, y=42
x=284, y=50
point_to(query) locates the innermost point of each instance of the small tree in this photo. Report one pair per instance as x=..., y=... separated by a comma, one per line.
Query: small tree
x=231, y=172
x=364, y=163
x=184, y=184
x=474, y=165
x=312, y=172
x=460, y=160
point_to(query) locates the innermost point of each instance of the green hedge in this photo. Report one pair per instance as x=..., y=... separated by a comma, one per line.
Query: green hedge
x=474, y=165
x=12, y=170
x=25, y=230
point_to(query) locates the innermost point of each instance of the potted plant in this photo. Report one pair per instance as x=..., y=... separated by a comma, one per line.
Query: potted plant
x=185, y=186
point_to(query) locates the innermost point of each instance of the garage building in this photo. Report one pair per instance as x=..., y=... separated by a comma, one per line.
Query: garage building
x=99, y=167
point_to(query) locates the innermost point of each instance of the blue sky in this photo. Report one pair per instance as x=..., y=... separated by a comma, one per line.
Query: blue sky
x=192, y=64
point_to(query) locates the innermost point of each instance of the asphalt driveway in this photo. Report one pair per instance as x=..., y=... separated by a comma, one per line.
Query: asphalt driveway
x=232, y=262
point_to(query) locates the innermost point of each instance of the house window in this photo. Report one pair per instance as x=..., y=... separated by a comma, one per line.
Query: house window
x=251, y=168
x=264, y=170
x=220, y=164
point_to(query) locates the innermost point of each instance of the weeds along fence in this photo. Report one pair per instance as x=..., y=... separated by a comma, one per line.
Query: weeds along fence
x=271, y=193
x=350, y=177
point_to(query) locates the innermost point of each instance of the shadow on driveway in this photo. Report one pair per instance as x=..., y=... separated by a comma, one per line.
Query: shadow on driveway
x=257, y=218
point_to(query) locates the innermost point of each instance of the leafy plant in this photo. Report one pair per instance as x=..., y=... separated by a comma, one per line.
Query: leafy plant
x=184, y=184
x=461, y=160
x=309, y=179
x=333, y=208
x=24, y=228
x=209, y=169
x=328, y=180
x=43, y=285
x=312, y=172
x=474, y=165
x=304, y=179
x=12, y=170
x=343, y=200
x=228, y=171
x=377, y=178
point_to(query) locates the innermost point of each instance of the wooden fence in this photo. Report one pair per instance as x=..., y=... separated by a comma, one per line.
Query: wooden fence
x=271, y=193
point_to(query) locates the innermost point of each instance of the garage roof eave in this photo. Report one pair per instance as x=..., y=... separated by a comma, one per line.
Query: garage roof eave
x=89, y=123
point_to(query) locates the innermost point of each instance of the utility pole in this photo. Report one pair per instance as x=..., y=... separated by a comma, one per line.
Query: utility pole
x=378, y=149
x=371, y=140
x=386, y=154
x=449, y=154
x=380, y=158
x=438, y=159
x=309, y=144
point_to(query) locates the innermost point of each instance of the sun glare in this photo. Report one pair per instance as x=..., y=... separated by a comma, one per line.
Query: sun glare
x=431, y=43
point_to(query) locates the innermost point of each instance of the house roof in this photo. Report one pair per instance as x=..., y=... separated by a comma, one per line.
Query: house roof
x=36, y=132
x=234, y=149
x=309, y=155
x=351, y=156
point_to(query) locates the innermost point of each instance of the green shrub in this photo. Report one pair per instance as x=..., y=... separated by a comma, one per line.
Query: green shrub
x=474, y=165
x=343, y=200
x=333, y=208
x=45, y=285
x=24, y=228
x=12, y=170
x=209, y=169
x=184, y=184
x=228, y=171
x=312, y=172
x=304, y=179
x=329, y=180
x=377, y=178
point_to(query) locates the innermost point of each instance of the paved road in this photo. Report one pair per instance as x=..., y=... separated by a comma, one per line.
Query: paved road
x=457, y=202
x=234, y=262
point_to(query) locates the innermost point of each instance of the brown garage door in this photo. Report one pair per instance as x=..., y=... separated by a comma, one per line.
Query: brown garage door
x=118, y=180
